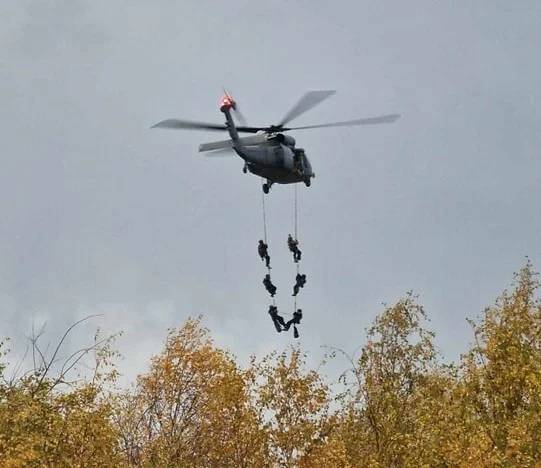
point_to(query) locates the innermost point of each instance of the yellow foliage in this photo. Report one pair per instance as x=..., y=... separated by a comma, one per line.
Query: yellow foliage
x=196, y=407
x=42, y=425
x=191, y=409
x=502, y=374
x=296, y=403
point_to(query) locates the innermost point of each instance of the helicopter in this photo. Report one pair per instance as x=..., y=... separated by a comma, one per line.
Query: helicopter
x=269, y=153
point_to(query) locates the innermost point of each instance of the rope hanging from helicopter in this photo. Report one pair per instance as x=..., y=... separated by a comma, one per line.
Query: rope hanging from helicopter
x=263, y=252
x=296, y=239
x=300, y=280
x=264, y=218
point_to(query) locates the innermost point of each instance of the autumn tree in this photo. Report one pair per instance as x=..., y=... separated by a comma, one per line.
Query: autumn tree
x=195, y=406
x=192, y=408
x=295, y=404
x=383, y=421
x=55, y=418
x=501, y=380
x=405, y=408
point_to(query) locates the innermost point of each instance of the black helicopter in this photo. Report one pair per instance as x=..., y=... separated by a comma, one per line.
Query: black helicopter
x=270, y=153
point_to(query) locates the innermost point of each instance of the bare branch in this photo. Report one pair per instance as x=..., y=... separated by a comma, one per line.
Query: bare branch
x=81, y=352
x=34, y=339
x=17, y=368
x=47, y=364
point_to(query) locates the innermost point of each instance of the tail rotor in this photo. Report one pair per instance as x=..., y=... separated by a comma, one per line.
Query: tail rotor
x=235, y=108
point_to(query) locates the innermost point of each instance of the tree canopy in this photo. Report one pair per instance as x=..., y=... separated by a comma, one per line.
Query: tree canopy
x=401, y=404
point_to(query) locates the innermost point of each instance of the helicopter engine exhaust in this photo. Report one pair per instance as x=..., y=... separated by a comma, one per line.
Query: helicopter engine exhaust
x=285, y=140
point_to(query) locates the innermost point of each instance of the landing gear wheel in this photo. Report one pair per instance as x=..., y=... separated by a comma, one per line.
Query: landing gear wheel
x=307, y=182
x=245, y=169
x=266, y=188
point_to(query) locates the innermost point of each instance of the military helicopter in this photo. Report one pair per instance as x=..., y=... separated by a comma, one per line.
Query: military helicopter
x=270, y=153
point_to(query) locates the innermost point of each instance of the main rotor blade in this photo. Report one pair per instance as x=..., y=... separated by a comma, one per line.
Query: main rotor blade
x=371, y=121
x=250, y=129
x=177, y=124
x=305, y=103
x=188, y=124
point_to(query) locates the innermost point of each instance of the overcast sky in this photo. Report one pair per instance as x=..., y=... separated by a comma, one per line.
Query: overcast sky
x=100, y=214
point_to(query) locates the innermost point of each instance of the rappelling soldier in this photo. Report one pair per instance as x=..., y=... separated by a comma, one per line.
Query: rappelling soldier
x=300, y=281
x=293, y=245
x=278, y=320
x=263, y=250
x=269, y=286
x=296, y=320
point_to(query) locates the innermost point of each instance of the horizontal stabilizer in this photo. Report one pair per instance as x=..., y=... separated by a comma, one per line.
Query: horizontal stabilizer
x=251, y=140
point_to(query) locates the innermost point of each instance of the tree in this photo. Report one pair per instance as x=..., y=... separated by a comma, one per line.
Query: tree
x=50, y=418
x=404, y=408
x=195, y=406
x=296, y=405
x=382, y=422
x=502, y=375
x=191, y=409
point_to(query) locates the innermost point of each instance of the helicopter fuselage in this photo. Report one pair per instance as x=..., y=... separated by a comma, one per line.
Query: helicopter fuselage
x=276, y=162
x=275, y=158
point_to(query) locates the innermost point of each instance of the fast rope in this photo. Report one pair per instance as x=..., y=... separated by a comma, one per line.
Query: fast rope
x=264, y=215
x=265, y=233
x=295, y=211
x=296, y=216
x=296, y=239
